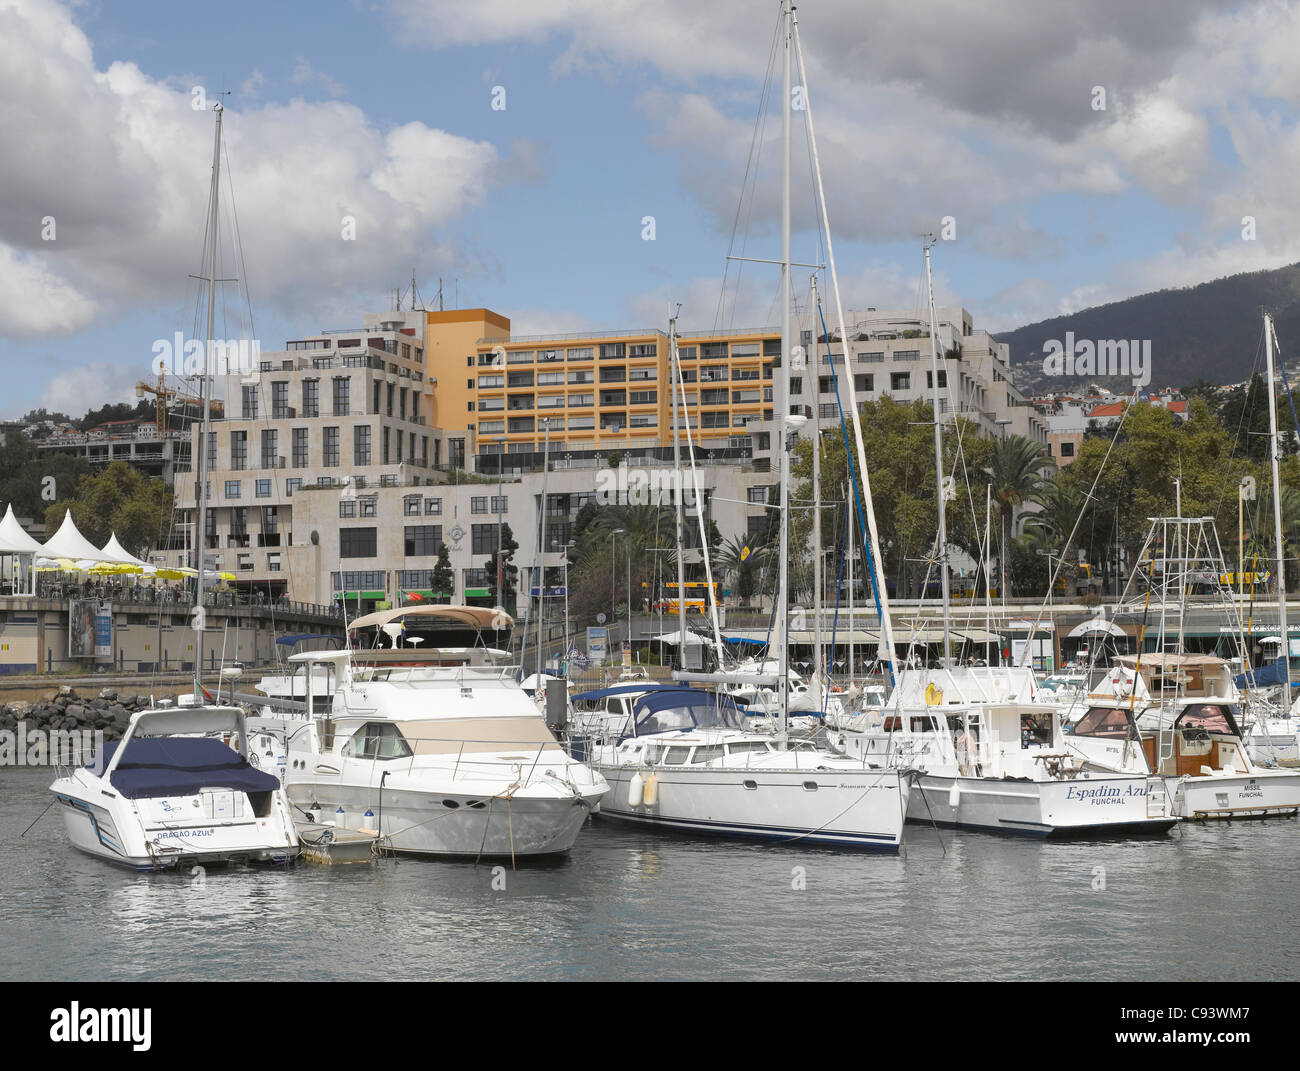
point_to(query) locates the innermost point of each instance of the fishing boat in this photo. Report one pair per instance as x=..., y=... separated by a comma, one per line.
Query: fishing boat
x=989, y=755
x=1178, y=717
x=430, y=743
x=177, y=789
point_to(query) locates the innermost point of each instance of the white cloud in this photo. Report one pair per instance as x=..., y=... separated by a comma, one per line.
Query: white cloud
x=130, y=204
x=35, y=301
x=85, y=386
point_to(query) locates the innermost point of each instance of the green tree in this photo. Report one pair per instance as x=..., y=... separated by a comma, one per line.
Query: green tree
x=1016, y=471
x=509, y=571
x=120, y=500
x=443, y=580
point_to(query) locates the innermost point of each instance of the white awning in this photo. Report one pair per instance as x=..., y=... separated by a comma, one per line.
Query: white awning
x=69, y=543
x=114, y=552
x=13, y=540
x=675, y=638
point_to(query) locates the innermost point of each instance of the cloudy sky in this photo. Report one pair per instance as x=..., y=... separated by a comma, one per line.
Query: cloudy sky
x=615, y=110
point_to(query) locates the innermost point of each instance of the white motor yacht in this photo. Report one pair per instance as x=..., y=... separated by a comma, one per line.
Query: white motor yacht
x=434, y=746
x=178, y=789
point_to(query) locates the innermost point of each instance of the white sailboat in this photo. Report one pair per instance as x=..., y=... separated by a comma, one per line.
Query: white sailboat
x=683, y=758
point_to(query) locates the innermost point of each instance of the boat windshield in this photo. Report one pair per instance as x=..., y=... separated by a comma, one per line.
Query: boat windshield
x=684, y=709
x=1106, y=722
x=1212, y=717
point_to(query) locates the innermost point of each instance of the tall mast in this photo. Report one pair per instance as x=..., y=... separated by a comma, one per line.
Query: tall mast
x=818, y=664
x=848, y=523
x=205, y=378
x=541, y=549
x=938, y=465
x=1277, y=519
x=674, y=374
x=783, y=395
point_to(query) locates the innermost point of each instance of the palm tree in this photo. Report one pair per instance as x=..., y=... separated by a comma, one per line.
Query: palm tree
x=742, y=562
x=1016, y=469
x=1063, y=503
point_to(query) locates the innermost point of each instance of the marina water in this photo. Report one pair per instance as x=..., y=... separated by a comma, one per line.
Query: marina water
x=1205, y=902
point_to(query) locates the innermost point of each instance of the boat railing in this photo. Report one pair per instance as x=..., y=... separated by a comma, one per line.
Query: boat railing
x=471, y=757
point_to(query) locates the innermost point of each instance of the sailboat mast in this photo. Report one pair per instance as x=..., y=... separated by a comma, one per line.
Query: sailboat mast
x=848, y=524
x=674, y=375
x=783, y=407
x=541, y=551
x=205, y=380
x=1277, y=520
x=938, y=465
x=818, y=662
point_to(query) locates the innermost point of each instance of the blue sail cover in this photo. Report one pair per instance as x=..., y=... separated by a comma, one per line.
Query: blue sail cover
x=1264, y=677
x=180, y=766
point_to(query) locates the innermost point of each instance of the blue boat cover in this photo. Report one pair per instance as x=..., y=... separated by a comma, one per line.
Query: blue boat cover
x=180, y=766
x=289, y=641
x=1264, y=676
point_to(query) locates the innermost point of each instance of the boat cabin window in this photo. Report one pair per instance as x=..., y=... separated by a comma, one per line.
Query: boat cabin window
x=707, y=753
x=377, y=740
x=745, y=747
x=676, y=756
x=1212, y=717
x=893, y=724
x=1035, y=729
x=1104, y=722
x=614, y=704
x=925, y=724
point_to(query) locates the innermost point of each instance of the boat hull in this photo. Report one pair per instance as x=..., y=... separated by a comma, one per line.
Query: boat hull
x=121, y=838
x=1262, y=794
x=1098, y=806
x=862, y=809
x=456, y=824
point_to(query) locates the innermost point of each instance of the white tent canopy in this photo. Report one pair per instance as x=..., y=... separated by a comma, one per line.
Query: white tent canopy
x=114, y=552
x=675, y=638
x=1097, y=626
x=69, y=543
x=13, y=540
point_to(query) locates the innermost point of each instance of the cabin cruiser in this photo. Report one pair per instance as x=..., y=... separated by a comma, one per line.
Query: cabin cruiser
x=433, y=745
x=178, y=789
x=1178, y=716
x=991, y=755
x=683, y=758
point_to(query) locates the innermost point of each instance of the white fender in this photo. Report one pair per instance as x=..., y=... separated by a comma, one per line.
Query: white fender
x=635, y=790
x=651, y=794
x=954, y=795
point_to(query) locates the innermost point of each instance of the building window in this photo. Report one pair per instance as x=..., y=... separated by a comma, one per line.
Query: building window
x=361, y=444
x=433, y=507
x=347, y=507
x=250, y=402
x=943, y=379
x=291, y=485
x=238, y=450
x=1067, y=449
x=311, y=397
x=270, y=448
x=358, y=542
x=263, y=489
x=331, y=448
x=478, y=504
x=411, y=505
x=369, y=505
x=900, y=380
x=342, y=386
x=232, y=488
x=483, y=539
x=299, y=439
x=279, y=400
x=456, y=453
x=864, y=384
x=422, y=540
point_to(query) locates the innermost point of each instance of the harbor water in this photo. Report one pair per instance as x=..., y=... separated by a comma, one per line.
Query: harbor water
x=1205, y=902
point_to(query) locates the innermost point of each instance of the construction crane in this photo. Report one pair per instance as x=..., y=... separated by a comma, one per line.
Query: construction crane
x=162, y=393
